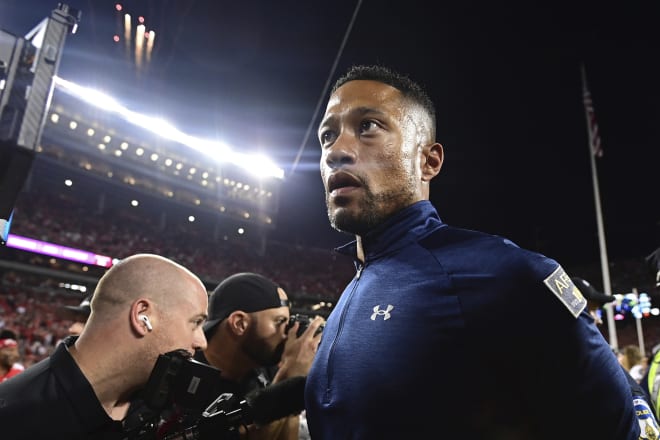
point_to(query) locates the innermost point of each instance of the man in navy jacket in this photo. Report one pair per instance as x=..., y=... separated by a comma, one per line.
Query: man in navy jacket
x=443, y=332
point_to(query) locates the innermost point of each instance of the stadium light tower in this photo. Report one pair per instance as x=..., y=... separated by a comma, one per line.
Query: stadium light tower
x=28, y=67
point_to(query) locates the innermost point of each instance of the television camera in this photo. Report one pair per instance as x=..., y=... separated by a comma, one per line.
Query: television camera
x=187, y=396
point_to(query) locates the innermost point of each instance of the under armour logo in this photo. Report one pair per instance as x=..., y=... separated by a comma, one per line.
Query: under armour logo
x=385, y=313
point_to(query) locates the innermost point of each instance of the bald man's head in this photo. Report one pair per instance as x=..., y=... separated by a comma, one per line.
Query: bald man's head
x=140, y=276
x=144, y=306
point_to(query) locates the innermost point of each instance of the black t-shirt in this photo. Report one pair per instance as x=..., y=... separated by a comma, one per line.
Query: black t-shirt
x=53, y=399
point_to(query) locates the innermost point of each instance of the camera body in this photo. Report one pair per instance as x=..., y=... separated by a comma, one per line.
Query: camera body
x=304, y=321
x=185, y=400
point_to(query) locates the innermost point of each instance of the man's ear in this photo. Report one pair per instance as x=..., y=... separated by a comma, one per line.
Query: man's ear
x=238, y=322
x=140, y=307
x=433, y=156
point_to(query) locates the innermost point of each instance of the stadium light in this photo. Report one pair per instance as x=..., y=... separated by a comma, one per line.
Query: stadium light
x=258, y=165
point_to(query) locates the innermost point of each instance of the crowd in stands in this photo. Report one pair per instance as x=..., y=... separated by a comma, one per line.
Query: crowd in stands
x=118, y=233
x=29, y=306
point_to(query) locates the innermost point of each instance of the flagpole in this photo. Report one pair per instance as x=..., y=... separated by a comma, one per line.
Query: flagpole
x=614, y=343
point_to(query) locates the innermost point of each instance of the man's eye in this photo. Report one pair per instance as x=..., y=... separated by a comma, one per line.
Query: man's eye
x=367, y=125
x=326, y=136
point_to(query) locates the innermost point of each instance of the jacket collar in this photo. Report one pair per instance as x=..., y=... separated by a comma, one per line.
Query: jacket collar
x=403, y=228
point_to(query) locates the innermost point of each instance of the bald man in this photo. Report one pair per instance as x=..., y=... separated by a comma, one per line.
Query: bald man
x=144, y=306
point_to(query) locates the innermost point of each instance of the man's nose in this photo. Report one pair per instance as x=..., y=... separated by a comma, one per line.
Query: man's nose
x=200, y=342
x=342, y=152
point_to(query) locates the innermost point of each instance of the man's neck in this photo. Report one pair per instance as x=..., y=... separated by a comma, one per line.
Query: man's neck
x=112, y=390
x=360, y=249
x=232, y=370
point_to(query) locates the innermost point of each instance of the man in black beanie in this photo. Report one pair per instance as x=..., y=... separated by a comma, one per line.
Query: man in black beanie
x=248, y=337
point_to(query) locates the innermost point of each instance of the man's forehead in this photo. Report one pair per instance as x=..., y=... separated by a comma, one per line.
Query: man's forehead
x=368, y=97
x=350, y=101
x=358, y=92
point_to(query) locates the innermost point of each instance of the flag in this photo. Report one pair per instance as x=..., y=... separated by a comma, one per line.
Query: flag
x=592, y=125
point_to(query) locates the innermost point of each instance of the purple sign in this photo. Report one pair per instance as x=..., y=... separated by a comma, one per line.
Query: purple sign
x=55, y=250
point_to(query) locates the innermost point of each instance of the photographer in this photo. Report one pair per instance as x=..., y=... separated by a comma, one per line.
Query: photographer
x=143, y=306
x=249, y=338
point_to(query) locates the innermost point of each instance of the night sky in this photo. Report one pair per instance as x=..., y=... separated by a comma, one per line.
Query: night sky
x=505, y=77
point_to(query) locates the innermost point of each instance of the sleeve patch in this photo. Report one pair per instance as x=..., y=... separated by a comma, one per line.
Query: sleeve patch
x=648, y=426
x=561, y=285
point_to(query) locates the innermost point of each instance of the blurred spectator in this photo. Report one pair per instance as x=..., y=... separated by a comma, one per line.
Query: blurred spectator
x=78, y=315
x=9, y=355
x=632, y=359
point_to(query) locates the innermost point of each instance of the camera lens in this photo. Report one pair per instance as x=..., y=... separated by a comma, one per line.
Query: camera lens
x=304, y=321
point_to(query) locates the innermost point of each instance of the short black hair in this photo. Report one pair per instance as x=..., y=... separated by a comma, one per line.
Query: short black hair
x=7, y=334
x=408, y=88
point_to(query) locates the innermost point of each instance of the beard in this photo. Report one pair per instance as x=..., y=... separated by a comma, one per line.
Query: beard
x=260, y=352
x=371, y=211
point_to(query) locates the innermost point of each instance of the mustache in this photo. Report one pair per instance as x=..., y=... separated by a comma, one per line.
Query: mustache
x=336, y=180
